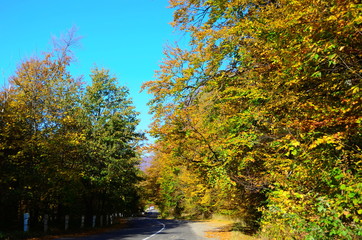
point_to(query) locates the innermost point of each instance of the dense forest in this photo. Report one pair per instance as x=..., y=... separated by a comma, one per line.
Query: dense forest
x=259, y=117
x=65, y=148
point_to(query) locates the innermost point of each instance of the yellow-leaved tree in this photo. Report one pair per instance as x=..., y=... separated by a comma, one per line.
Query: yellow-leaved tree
x=264, y=106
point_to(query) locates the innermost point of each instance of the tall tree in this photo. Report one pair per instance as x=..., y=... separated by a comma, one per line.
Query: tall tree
x=37, y=132
x=111, y=144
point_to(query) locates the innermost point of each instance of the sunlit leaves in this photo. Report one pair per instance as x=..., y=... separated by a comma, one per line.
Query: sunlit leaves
x=268, y=98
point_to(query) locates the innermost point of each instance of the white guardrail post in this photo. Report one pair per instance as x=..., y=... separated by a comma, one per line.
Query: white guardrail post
x=94, y=221
x=66, y=222
x=26, y=222
x=46, y=218
x=82, y=222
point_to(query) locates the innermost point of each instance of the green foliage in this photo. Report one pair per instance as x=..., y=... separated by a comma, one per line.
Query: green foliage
x=111, y=141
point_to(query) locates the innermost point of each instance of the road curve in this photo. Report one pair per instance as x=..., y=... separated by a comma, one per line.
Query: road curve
x=148, y=229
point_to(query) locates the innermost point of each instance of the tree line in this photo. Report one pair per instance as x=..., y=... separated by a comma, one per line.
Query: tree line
x=259, y=117
x=66, y=148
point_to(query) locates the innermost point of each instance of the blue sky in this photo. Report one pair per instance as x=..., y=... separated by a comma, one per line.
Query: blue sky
x=125, y=36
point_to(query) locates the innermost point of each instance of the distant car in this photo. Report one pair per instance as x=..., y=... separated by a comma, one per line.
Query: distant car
x=150, y=209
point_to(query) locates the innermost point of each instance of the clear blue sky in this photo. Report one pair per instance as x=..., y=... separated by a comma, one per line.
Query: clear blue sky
x=125, y=36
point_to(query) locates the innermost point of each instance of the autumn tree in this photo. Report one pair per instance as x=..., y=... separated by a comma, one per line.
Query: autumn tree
x=267, y=100
x=38, y=114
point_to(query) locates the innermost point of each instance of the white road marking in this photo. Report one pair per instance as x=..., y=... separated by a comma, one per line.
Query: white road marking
x=163, y=227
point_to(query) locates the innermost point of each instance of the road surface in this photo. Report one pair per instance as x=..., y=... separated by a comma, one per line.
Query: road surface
x=153, y=229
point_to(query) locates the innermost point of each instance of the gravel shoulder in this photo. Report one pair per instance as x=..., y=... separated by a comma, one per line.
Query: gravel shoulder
x=218, y=230
x=205, y=229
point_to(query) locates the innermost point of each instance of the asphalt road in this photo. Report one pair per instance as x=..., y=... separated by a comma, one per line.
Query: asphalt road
x=149, y=228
